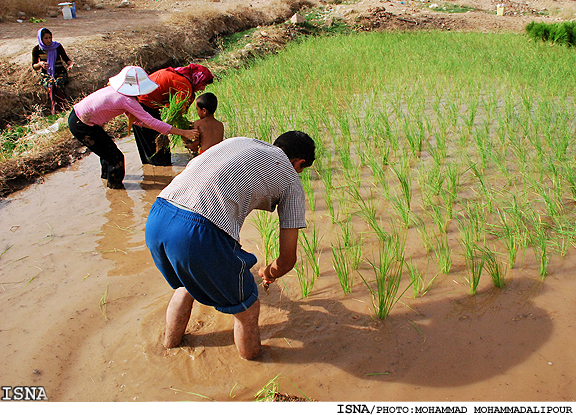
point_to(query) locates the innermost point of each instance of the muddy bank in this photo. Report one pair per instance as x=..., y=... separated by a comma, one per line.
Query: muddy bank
x=102, y=42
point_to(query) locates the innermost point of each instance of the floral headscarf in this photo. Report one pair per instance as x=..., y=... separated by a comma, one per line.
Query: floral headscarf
x=197, y=74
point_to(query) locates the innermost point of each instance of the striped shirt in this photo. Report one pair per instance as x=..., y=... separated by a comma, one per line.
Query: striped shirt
x=105, y=104
x=236, y=176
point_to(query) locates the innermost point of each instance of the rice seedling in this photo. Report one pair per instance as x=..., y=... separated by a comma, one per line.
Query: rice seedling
x=388, y=275
x=351, y=244
x=539, y=239
x=475, y=264
x=422, y=232
x=438, y=217
x=174, y=114
x=475, y=215
x=510, y=238
x=307, y=185
x=401, y=210
x=306, y=279
x=268, y=391
x=369, y=213
x=495, y=268
x=310, y=247
x=419, y=287
x=442, y=253
x=342, y=266
x=268, y=228
x=405, y=179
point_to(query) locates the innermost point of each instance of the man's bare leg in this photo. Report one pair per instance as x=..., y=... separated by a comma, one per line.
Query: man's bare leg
x=247, y=332
x=177, y=317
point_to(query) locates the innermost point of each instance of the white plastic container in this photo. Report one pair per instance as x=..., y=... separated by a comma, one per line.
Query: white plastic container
x=66, y=10
x=500, y=10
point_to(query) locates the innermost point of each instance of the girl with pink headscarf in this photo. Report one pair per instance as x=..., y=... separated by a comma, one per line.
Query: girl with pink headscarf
x=183, y=82
x=50, y=58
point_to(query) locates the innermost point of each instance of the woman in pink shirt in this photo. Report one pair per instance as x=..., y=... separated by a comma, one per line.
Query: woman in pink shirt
x=89, y=115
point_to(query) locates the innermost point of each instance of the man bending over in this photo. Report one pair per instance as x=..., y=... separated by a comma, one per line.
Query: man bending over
x=193, y=229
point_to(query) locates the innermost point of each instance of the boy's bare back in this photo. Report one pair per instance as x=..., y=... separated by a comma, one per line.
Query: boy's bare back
x=211, y=132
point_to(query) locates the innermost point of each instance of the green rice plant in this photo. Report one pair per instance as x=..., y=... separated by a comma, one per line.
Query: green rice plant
x=475, y=214
x=351, y=244
x=326, y=176
x=419, y=287
x=310, y=245
x=475, y=264
x=268, y=228
x=379, y=174
x=510, y=237
x=369, y=214
x=269, y=392
x=401, y=210
x=563, y=33
x=306, y=279
x=388, y=275
x=307, y=185
x=422, y=232
x=405, y=179
x=442, y=253
x=342, y=266
x=438, y=217
x=540, y=239
x=174, y=114
x=451, y=193
x=414, y=136
x=495, y=268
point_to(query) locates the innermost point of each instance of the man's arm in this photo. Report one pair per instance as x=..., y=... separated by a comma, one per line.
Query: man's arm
x=287, y=258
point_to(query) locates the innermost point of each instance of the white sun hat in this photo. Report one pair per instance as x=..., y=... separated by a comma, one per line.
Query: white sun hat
x=133, y=81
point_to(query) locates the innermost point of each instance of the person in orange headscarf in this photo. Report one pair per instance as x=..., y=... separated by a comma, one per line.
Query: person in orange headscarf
x=183, y=82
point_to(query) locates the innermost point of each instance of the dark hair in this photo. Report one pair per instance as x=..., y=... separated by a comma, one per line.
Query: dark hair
x=207, y=101
x=297, y=145
x=43, y=32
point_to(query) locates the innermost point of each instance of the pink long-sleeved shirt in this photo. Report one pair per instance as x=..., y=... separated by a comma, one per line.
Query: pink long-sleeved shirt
x=104, y=104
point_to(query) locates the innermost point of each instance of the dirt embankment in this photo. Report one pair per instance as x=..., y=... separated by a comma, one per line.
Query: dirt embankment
x=158, y=33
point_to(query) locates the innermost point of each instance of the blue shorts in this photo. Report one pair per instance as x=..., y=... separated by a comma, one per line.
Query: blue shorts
x=192, y=252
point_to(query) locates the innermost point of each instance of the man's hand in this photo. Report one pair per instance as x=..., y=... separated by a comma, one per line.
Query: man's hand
x=285, y=261
x=264, y=272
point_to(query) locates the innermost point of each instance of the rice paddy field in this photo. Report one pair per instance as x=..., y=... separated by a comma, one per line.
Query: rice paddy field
x=437, y=264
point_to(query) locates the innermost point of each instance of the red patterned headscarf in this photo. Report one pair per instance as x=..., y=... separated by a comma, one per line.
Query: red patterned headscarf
x=196, y=74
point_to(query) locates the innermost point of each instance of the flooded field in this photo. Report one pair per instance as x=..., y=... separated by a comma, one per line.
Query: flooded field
x=83, y=305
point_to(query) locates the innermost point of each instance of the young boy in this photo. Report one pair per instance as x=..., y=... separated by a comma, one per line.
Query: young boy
x=210, y=129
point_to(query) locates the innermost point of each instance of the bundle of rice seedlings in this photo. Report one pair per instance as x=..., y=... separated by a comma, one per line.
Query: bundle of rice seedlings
x=175, y=115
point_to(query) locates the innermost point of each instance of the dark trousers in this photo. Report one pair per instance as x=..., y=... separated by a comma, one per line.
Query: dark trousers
x=146, y=143
x=98, y=141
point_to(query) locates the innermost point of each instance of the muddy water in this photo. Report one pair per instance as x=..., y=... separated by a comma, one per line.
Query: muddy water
x=83, y=306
